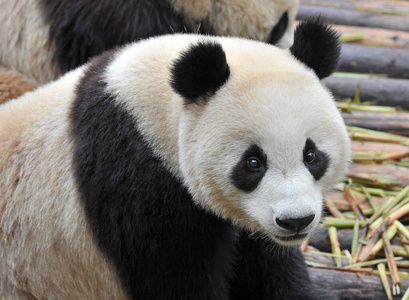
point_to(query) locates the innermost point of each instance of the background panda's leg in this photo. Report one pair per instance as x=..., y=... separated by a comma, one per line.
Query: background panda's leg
x=266, y=270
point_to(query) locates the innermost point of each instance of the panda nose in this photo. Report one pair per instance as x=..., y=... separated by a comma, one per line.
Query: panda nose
x=295, y=224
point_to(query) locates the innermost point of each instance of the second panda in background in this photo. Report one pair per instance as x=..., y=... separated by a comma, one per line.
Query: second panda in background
x=43, y=39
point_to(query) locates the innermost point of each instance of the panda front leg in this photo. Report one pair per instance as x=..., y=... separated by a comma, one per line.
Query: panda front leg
x=266, y=270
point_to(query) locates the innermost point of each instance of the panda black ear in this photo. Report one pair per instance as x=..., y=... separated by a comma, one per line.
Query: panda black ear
x=200, y=71
x=317, y=46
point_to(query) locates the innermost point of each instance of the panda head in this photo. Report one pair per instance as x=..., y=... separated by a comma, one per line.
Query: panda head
x=260, y=138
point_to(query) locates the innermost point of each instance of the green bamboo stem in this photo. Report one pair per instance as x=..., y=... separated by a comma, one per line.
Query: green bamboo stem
x=355, y=234
x=402, y=229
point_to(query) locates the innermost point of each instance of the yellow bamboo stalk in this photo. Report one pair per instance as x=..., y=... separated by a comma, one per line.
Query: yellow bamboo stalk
x=340, y=223
x=370, y=263
x=401, y=274
x=401, y=228
x=398, y=250
x=384, y=279
x=348, y=256
x=353, y=36
x=406, y=295
x=335, y=246
x=374, y=108
x=377, y=138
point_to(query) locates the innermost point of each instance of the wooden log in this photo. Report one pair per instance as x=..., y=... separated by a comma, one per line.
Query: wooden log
x=379, y=60
x=390, y=6
x=350, y=285
x=397, y=123
x=320, y=241
x=377, y=147
x=346, y=16
x=377, y=36
x=373, y=36
x=383, y=91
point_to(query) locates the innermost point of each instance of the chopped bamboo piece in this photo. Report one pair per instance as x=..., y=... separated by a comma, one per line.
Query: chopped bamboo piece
x=356, y=95
x=357, y=253
x=391, y=264
x=398, y=250
x=340, y=223
x=370, y=263
x=402, y=228
x=355, y=234
x=348, y=256
x=403, y=263
x=333, y=209
x=335, y=246
x=368, y=134
x=379, y=180
x=373, y=137
x=353, y=203
x=398, y=214
x=374, y=226
x=324, y=253
x=404, y=242
x=371, y=191
x=399, y=205
x=384, y=279
x=406, y=295
x=367, y=251
x=390, y=233
x=401, y=274
x=390, y=203
x=396, y=155
x=349, y=37
x=369, y=198
x=372, y=108
x=353, y=270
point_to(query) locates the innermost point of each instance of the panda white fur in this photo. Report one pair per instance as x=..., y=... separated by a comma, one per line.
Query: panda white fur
x=44, y=38
x=179, y=167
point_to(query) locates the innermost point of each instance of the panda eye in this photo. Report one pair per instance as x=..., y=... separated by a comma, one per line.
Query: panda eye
x=253, y=163
x=309, y=156
x=250, y=169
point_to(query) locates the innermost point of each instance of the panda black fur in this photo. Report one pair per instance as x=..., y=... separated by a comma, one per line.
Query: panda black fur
x=121, y=180
x=44, y=38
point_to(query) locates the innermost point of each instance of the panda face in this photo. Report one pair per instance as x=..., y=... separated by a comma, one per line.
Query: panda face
x=264, y=149
x=264, y=157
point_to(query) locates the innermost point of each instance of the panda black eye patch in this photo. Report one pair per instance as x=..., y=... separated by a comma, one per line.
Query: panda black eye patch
x=315, y=160
x=250, y=169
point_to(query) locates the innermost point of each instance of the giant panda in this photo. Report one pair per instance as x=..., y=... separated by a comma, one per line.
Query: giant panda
x=178, y=167
x=44, y=38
